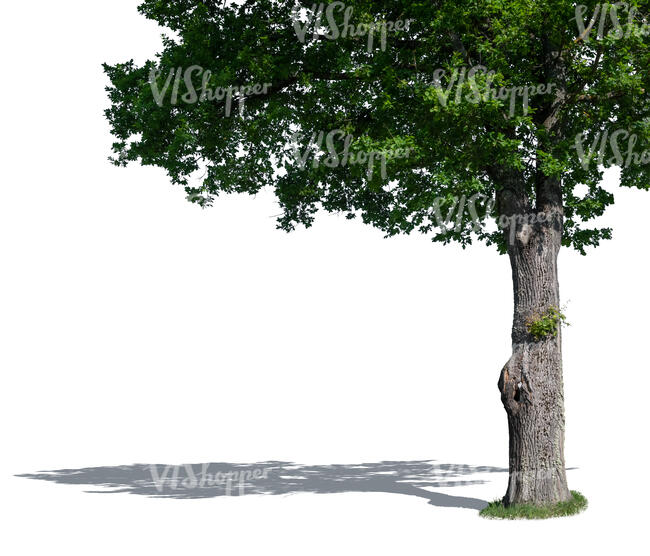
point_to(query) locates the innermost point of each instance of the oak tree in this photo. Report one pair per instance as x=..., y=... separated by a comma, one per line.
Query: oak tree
x=501, y=113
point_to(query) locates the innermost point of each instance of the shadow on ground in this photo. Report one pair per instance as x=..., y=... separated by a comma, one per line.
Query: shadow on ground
x=207, y=480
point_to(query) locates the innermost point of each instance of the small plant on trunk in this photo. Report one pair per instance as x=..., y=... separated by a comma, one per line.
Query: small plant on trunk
x=546, y=325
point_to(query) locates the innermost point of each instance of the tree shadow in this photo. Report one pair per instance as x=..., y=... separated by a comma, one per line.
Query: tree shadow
x=207, y=480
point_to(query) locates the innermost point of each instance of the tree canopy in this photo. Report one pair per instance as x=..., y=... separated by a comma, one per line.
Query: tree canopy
x=456, y=98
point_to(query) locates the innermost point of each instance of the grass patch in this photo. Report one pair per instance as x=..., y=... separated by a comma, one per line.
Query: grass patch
x=496, y=509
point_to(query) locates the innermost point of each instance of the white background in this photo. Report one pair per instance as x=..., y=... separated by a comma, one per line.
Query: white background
x=136, y=327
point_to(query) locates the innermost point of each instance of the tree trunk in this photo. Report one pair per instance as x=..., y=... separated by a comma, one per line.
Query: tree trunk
x=531, y=381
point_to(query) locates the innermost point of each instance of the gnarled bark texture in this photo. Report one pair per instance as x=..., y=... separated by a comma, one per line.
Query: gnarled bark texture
x=531, y=381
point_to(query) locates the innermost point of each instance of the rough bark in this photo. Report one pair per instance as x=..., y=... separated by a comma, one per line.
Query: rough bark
x=531, y=381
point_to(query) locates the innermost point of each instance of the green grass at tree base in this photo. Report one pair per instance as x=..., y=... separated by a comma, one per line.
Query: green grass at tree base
x=496, y=509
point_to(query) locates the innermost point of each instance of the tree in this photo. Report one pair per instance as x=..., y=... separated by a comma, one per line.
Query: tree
x=409, y=115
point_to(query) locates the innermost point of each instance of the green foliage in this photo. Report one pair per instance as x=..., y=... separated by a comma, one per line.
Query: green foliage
x=496, y=509
x=386, y=98
x=546, y=325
